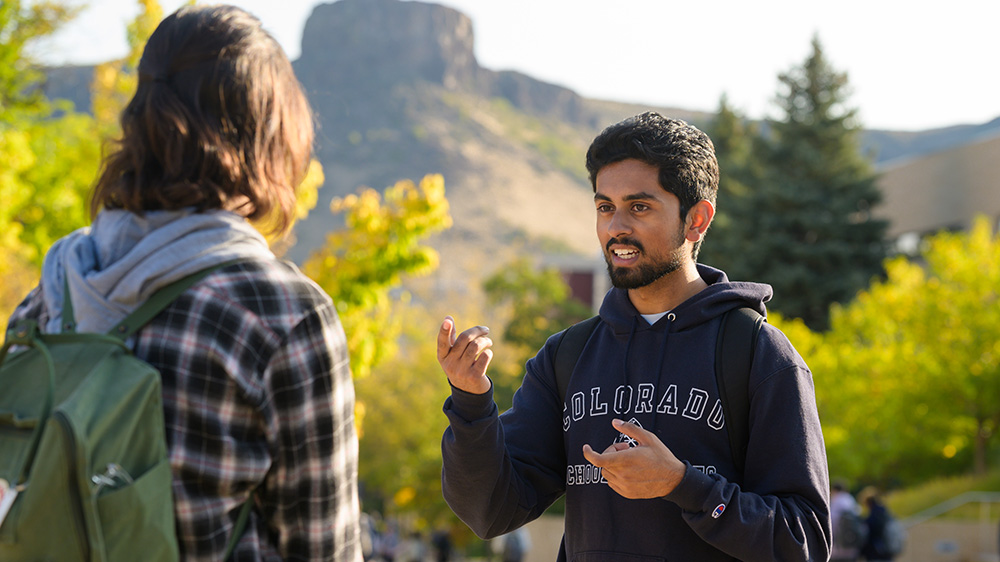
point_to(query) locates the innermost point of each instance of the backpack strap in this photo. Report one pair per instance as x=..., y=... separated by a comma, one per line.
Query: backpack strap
x=160, y=300
x=733, y=360
x=568, y=351
x=241, y=523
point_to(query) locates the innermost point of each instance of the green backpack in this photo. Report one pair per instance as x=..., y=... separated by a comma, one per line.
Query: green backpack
x=84, y=469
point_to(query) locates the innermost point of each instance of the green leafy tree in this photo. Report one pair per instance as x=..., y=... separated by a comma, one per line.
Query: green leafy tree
x=51, y=199
x=29, y=133
x=534, y=303
x=908, y=376
x=814, y=236
x=21, y=76
x=960, y=336
x=361, y=265
x=540, y=302
x=16, y=268
x=401, y=425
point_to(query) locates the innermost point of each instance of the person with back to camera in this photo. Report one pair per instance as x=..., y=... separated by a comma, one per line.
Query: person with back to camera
x=848, y=526
x=639, y=446
x=257, y=390
x=879, y=545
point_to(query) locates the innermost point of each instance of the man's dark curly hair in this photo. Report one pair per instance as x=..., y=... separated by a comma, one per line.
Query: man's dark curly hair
x=684, y=155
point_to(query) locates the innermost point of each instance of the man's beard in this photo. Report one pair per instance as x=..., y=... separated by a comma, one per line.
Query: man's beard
x=645, y=274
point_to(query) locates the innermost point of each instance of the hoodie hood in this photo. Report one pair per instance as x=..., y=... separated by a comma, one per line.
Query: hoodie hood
x=719, y=297
x=116, y=264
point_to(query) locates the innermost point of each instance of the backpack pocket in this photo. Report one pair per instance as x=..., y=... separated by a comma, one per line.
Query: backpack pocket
x=132, y=525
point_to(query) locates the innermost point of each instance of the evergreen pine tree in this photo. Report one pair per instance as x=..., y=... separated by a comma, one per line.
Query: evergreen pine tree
x=814, y=238
x=729, y=239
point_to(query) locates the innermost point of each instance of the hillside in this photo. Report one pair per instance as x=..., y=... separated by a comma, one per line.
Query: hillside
x=399, y=94
x=892, y=148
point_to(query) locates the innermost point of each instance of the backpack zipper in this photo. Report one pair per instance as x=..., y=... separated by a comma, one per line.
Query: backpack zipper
x=81, y=523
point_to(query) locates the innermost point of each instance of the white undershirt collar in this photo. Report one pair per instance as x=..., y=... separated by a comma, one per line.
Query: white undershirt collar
x=654, y=318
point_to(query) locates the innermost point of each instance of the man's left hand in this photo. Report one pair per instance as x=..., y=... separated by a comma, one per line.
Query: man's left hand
x=648, y=470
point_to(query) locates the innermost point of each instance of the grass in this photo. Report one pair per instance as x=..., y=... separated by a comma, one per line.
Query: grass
x=911, y=501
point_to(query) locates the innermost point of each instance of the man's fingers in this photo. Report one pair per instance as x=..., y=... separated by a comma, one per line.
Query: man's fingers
x=446, y=337
x=469, y=344
x=635, y=432
x=605, y=458
x=476, y=348
x=592, y=456
x=483, y=361
x=464, y=358
x=472, y=341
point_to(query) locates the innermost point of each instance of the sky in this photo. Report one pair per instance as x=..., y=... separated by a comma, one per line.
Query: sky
x=911, y=66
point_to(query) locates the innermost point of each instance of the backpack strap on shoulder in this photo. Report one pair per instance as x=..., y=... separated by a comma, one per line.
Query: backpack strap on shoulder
x=159, y=301
x=569, y=349
x=734, y=353
x=239, y=527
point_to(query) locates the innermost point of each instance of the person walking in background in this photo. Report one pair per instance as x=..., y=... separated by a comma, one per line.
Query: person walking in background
x=411, y=548
x=642, y=418
x=257, y=390
x=441, y=541
x=885, y=540
x=849, y=529
x=513, y=546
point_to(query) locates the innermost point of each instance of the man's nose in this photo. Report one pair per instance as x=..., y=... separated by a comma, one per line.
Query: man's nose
x=619, y=224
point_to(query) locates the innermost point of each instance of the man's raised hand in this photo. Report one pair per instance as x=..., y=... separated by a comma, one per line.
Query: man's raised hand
x=465, y=358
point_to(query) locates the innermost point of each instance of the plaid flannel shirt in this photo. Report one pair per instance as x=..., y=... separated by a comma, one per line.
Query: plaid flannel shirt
x=259, y=403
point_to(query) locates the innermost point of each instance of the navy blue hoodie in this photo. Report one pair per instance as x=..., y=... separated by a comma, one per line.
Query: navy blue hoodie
x=502, y=471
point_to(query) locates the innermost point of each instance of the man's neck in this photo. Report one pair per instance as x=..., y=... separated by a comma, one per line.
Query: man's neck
x=669, y=291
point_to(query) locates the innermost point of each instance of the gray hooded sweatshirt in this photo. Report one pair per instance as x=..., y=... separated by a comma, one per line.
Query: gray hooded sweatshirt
x=115, y=265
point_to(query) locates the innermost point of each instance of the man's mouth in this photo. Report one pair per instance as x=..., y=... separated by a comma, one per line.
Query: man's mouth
x=623, y=250
x=625, y=254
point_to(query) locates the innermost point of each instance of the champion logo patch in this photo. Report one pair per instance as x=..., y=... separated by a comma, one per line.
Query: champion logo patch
x=718, y=511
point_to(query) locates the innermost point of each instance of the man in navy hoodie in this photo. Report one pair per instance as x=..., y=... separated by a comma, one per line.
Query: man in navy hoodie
x=639, y=446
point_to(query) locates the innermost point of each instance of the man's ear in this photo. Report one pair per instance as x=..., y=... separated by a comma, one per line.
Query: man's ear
x=698, y=219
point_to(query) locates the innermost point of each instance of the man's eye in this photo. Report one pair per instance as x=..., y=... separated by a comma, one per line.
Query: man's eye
x=603, y=208
x=639, y=207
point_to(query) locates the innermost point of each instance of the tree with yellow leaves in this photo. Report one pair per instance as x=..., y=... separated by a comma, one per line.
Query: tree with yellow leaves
x=362, y=264
x=41, y=193
x=908, y=377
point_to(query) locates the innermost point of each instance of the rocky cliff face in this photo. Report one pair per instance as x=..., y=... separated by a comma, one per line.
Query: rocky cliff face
x=398, y=94
x=368, y=47
x=367, y=44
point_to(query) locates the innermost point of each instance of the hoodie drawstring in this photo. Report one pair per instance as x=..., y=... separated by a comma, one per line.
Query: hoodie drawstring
x=659, y=365
x=628, y=349
x=662, y=351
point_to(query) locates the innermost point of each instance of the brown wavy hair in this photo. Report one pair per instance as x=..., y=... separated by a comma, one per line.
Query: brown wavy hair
x=219, y=121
